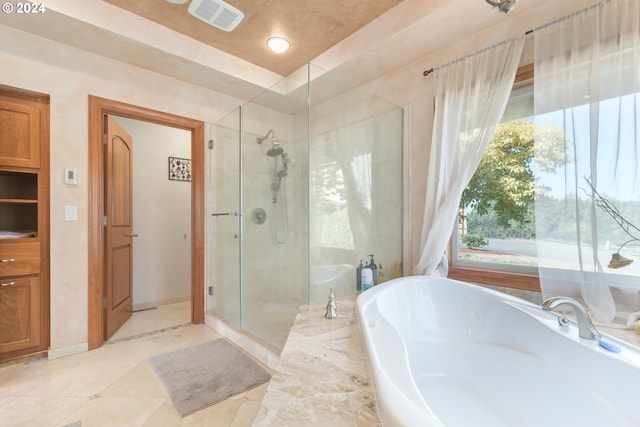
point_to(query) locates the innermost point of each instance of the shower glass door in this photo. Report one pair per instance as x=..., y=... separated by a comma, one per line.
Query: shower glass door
x=257, y=261
x=223, y=219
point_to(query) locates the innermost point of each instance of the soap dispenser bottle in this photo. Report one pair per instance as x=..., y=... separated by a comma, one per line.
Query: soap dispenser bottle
x=380, y=274
x=396, y=270
x=367, y=278
x=374, y=270
x=359, y=276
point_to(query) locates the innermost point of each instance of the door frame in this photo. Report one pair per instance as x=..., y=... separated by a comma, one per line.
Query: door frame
x=98, y=108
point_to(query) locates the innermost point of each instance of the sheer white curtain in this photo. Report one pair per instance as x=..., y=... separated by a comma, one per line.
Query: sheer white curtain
x=470, y=98
x=587, y=79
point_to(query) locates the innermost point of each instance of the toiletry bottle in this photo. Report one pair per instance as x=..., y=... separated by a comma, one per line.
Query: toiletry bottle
x=396, y=270
x=374, y=270
x=380, y=274
x=367, y=278
x=359, y=277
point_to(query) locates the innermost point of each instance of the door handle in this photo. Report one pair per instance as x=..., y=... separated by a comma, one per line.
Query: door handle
x=7, y=284
x=133, y=234
x=8, y=260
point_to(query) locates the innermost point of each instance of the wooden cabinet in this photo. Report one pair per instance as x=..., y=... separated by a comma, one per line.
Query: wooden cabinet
x=24, y=223
x=19, y=314
x=19, y=131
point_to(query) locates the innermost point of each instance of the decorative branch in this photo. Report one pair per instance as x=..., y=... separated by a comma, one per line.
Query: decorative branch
x=617, y=260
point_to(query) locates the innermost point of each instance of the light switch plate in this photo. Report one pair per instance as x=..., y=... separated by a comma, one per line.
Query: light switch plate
x=71, y=213
x=71, y=176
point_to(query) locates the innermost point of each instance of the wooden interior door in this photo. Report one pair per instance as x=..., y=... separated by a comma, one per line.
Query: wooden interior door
x=118, y=287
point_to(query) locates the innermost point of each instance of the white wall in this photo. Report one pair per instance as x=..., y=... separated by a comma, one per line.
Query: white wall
x=161, y=215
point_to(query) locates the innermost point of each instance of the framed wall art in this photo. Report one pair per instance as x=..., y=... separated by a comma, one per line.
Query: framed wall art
x=179, y=169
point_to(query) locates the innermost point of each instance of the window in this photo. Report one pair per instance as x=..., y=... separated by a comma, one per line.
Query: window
x=494, y=241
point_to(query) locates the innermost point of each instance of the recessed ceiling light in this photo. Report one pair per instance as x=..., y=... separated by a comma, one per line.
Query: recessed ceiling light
x=278, y=44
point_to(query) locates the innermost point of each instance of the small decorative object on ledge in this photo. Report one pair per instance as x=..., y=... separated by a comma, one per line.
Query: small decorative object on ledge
x=331, y=307
x=617, y=260
x=179, y=169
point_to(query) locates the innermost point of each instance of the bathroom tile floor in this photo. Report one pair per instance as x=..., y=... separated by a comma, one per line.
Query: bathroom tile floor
x=113, y=386
x=155, y=319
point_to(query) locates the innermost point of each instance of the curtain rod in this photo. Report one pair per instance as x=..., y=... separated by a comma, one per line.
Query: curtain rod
x=586, y=9
x=431, y=70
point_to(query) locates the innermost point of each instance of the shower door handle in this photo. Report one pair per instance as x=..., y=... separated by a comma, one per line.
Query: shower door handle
x=226, y=214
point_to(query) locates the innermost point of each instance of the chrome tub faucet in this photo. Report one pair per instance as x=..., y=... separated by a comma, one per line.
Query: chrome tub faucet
x=586, y=329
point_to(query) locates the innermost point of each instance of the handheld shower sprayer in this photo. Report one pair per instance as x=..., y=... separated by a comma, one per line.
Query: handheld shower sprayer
x=280, y=223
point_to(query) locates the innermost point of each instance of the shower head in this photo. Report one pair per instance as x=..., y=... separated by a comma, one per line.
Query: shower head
x=276, y=150
x=282, y=173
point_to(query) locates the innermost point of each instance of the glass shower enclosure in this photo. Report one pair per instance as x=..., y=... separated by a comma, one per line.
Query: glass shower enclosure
x=303, y=182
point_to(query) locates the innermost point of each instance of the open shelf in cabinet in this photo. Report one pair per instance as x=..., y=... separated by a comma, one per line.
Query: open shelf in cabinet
x=21, y=186
x=18, y=203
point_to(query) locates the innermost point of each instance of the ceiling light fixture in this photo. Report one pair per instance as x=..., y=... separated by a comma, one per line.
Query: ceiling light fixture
x=278, y=44
x=503, y=6
x=177, y=1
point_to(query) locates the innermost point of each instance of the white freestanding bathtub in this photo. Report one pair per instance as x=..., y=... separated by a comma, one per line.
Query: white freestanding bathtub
x=447, y=353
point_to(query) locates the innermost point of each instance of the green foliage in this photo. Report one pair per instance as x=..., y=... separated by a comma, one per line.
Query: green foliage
x=474, y=241
x=487, y=224
x=557, y=218
x=504, y=182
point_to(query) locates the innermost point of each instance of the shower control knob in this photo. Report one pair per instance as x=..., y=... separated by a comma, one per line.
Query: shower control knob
x=258, y=216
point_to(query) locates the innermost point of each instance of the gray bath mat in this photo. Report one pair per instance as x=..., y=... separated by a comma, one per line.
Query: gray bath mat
x=205, y=374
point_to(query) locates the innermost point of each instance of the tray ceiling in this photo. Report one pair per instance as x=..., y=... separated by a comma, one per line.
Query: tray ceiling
x=312, y=26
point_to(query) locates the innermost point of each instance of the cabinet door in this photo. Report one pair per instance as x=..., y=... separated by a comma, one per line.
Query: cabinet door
x=19, y=133
x=19, y=313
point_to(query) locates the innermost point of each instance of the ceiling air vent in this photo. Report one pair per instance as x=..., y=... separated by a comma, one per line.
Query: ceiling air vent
x=217, y=13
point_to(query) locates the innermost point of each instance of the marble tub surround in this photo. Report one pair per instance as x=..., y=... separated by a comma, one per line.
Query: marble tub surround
x=535, y=297
x=628, y=335
x=322, y=377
